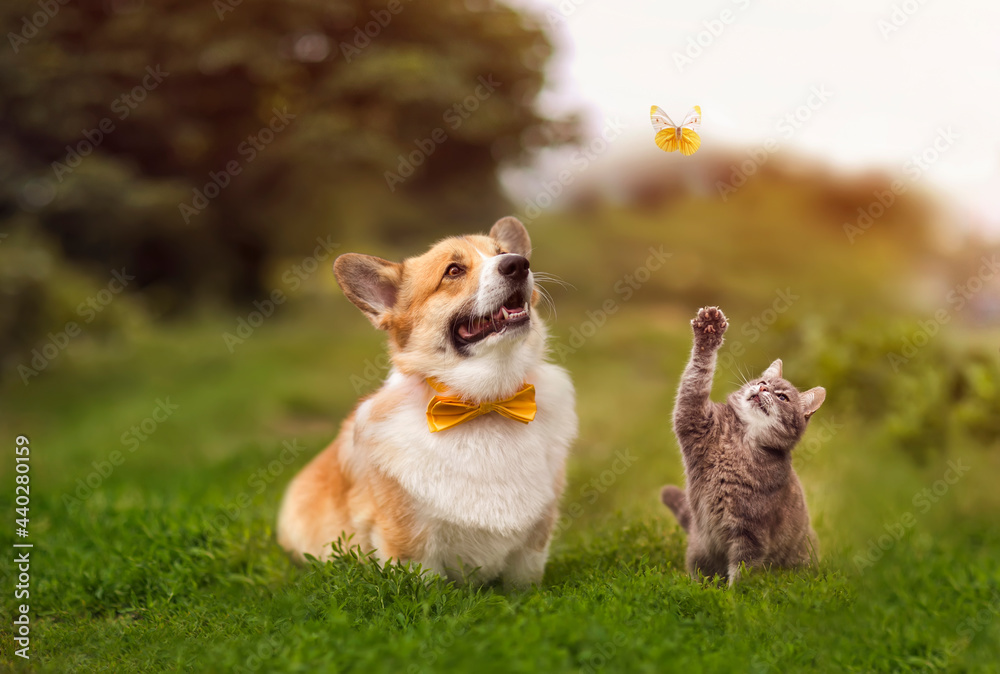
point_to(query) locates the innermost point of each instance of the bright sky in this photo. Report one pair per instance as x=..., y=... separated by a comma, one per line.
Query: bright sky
x=897, y=72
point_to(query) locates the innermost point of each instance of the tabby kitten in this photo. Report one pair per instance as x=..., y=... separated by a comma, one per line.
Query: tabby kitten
x=743, y=502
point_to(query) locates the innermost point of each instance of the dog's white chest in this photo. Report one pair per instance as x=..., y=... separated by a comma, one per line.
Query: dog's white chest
x=490, y=474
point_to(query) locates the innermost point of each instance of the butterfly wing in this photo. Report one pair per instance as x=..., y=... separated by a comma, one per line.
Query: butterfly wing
x=660, y=119
x=689, y=142
x=666, y=140
x=692, y=120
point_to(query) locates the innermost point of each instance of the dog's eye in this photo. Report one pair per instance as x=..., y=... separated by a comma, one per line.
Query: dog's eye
x=782, y=396
x=454, y=270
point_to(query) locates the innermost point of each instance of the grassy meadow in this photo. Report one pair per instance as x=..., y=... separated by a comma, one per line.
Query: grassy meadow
x=167, y=561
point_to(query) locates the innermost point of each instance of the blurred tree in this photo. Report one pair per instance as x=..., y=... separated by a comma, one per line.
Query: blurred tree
x=193, y=141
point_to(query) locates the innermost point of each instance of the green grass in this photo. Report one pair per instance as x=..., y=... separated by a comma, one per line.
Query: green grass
x=170, y=563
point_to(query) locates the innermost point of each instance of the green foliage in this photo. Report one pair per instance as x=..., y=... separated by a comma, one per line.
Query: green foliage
x=45, y=305
x=153, y=101
x=928, y=391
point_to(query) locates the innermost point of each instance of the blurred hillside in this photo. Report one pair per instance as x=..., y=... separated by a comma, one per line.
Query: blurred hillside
x=781, y=234
x=850, y=242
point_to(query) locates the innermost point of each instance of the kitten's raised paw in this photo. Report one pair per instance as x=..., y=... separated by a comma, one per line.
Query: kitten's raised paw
x=709, y=326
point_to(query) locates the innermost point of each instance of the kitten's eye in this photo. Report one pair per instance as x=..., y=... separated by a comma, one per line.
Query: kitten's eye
x=782, y=396
x=454, y=270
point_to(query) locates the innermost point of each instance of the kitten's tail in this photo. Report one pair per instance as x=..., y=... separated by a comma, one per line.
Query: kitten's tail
x=675, y=499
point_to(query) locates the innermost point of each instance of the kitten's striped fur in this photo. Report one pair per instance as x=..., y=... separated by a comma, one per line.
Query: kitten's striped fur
x=743, y=503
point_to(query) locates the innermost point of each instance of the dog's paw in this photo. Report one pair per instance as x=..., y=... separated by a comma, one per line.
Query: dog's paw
x=709, y=326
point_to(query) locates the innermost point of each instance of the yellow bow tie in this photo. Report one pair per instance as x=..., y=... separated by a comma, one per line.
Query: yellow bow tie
x=447, y=411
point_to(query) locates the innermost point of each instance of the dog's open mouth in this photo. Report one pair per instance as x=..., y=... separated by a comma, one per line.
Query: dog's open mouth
x=513, y=312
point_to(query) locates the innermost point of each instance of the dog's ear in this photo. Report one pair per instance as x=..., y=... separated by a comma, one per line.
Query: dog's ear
x=371, y=283
x=512, y=236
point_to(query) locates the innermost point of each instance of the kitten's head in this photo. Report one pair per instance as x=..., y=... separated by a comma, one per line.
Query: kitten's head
x=774, y=411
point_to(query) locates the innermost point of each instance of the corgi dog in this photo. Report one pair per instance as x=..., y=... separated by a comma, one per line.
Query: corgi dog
x=450, y=463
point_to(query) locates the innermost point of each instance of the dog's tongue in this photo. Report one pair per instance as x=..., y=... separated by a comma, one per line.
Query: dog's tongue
x=472, y=329
x=479, y=325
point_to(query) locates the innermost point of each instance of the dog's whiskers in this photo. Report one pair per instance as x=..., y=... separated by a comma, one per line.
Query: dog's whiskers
x=543, y=292
x=552, y=278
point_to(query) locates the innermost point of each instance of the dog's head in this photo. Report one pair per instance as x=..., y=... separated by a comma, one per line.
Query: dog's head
x=463, y=312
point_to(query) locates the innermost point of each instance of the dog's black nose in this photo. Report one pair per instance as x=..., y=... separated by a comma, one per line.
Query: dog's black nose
x=514, y=266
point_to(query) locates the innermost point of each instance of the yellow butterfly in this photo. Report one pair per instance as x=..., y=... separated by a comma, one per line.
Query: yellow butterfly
x=670, y=137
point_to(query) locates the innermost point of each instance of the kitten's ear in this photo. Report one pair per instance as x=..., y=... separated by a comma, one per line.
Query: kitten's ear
x=811, y=400
x=371, y=283
x=512, y=236
x=773, y=371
